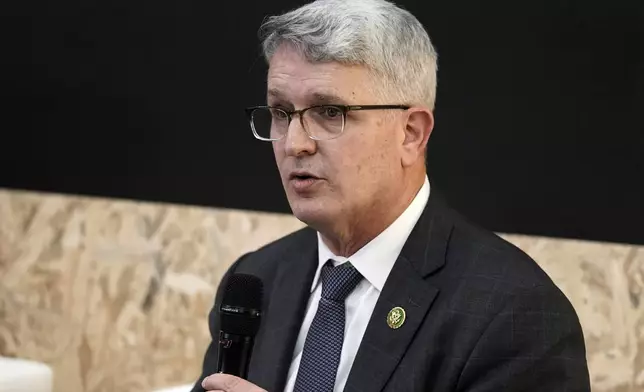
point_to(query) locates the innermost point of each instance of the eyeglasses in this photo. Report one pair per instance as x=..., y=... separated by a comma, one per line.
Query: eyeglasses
x=321, y=122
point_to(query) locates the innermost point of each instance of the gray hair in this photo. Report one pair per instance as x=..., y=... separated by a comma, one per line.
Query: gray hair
x=376, y=34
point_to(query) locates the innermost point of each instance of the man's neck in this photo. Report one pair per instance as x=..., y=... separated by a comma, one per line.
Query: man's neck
x=346, y=241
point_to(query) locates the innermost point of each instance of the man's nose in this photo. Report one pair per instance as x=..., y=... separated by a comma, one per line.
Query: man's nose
x=297, y=141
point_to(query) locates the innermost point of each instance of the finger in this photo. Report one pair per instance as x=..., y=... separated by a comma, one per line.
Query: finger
x=221, y=382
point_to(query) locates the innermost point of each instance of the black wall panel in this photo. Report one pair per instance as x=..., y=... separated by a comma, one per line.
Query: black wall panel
x=540, y=114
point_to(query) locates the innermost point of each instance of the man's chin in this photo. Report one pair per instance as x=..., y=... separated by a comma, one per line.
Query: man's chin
x=310, y=211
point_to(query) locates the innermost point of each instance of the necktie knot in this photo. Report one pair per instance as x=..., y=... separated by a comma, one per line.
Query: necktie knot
x=338, y=282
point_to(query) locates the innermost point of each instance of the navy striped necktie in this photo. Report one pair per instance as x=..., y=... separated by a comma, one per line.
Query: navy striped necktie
x=323, y=345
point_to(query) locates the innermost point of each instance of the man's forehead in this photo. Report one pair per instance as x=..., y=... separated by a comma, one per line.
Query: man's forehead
x=288, y=66
x=288, y=70
x=317, y=87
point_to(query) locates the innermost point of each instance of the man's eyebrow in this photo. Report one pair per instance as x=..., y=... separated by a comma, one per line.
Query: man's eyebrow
x=324, y=98
x=316, y=98
x=275, y=93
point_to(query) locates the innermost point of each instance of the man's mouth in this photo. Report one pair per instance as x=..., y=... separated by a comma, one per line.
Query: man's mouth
x=303, y=176
x=304, y=182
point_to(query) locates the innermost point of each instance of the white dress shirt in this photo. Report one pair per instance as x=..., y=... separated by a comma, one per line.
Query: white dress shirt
x=374, y=261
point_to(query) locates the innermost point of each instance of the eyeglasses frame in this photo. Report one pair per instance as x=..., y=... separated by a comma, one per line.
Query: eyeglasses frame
x=344, y=109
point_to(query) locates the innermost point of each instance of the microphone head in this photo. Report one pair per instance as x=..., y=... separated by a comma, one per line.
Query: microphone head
x=241, y=305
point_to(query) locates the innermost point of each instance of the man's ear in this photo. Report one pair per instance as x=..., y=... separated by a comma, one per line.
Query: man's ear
x=418, y=128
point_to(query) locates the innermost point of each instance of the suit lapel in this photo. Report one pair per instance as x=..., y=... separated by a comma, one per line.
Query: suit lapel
x=382, y=347
x=290, y=292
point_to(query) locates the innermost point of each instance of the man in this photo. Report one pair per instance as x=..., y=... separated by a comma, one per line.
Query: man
x=387, y=289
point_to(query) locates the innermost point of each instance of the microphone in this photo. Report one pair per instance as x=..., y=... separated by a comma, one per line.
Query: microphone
x=240, y=314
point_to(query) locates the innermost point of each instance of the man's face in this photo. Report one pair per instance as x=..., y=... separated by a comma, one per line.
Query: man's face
x=353, y=175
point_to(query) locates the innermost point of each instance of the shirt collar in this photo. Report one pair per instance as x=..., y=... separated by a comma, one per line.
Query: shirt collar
x=376, y=259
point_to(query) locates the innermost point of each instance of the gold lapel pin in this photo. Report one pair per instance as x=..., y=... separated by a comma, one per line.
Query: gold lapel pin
x=396, y=317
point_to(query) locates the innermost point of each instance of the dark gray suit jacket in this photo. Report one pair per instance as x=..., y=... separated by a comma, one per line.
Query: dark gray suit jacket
x=481, y=316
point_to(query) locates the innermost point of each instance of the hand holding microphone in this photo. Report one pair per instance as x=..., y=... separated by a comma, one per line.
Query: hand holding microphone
x=240, y=313
x=228, y=383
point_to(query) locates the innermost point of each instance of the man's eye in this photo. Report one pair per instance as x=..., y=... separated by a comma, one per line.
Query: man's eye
x=279, y=114
x=330, y=111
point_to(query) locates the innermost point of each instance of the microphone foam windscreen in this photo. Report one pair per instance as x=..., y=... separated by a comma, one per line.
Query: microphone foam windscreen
x=243, y=293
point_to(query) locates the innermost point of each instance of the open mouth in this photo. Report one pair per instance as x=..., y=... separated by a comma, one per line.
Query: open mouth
x=304, y=182
x=303, y=177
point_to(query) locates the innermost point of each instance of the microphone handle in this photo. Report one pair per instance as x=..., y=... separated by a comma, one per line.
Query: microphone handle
x=234, y=354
